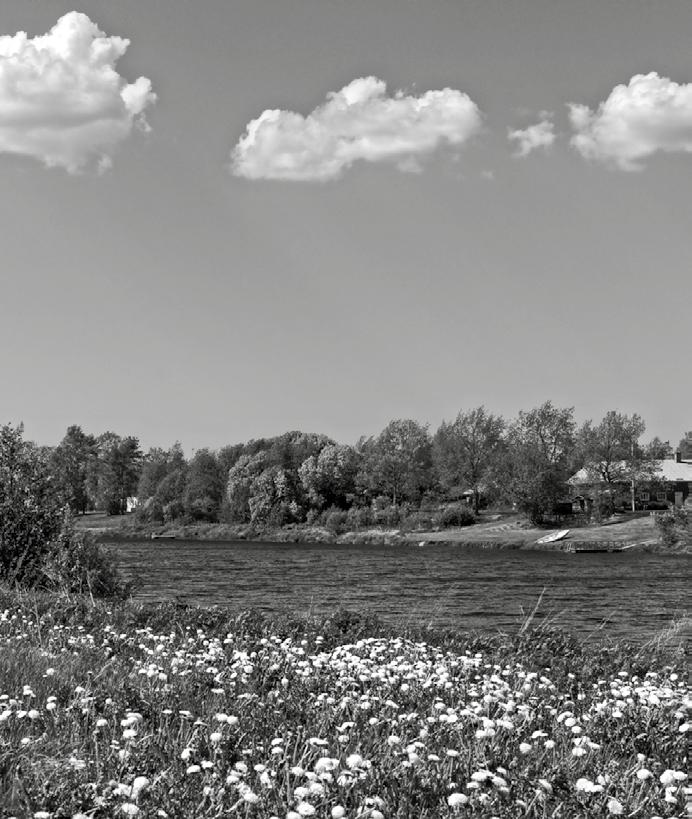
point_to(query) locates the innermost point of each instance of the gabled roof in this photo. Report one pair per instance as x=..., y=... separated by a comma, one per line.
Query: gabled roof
x=668, y=470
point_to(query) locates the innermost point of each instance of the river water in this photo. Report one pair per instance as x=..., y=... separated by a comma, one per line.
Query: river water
x=632, y=595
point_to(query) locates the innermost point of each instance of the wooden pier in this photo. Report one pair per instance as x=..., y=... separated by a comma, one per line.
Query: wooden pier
x=579, y=546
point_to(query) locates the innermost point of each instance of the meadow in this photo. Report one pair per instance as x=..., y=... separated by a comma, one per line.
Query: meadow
x=125, y=709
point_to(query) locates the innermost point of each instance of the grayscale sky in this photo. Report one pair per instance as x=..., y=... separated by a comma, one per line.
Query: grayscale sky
x=153, y=286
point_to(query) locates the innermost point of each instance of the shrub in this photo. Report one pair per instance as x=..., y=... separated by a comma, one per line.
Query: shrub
x=335, y=520
x=384, y=513
x=418, y=519
x=358, y=517
x=675, y=527
x=455, y=515
x=77, y=564
x=39, y=547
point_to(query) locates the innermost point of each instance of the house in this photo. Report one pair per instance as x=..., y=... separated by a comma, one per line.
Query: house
x=671, y=484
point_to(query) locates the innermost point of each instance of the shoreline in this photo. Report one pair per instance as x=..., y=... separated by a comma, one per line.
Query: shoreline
x=479, y=536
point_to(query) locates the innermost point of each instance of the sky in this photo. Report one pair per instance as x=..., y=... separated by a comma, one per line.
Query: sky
x=225, y=220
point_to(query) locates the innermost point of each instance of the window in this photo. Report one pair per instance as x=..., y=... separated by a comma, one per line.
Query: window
x=661, y=496
x=644, y=496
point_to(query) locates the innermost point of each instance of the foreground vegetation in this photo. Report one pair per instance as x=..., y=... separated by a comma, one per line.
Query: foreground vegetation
x=118, y=709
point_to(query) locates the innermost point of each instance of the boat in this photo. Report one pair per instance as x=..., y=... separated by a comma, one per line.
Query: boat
x=553, y=536
x=162, y=537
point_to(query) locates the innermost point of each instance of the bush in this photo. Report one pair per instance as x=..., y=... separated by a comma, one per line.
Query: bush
x=358, y=517
x=455, y=515
x=418, y=520
x=675, y=527
x=335, y=520
x=77, y=564
x=384, y=513
x=39, y=547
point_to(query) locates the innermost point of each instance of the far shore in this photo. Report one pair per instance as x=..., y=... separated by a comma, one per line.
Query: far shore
x=493, y=532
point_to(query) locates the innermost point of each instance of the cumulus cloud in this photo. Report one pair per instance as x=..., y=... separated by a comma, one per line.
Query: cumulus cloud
x=648, y=115
x=61, y=99
x=540, y=135
x=359, y=122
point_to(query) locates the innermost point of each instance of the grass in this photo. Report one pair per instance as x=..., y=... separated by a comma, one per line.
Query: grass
x=161, y=710
x=506, y=532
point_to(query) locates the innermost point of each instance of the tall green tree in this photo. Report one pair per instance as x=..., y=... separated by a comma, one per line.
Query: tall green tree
x=70, y=462
x=155, y=466
x=328, y=479
x=613, y=455
x=398, y=462
x=537, y=459
x=114, y=473
x=204, y=487
x=685, y=447
x=466, y=449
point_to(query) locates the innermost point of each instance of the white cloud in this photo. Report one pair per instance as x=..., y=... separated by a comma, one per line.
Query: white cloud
x=540, y=135
x=61, y=99
x=359, y=122
x=649, y=114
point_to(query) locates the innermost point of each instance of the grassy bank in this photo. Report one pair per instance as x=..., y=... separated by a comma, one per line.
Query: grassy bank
x=155, y=711
x=507, y=532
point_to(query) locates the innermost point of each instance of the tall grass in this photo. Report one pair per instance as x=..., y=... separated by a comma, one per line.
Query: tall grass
x=124, y=709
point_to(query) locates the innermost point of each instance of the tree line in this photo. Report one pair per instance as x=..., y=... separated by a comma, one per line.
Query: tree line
x=405, y=470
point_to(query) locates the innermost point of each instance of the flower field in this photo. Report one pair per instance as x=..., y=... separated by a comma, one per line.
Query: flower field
x=109, y=711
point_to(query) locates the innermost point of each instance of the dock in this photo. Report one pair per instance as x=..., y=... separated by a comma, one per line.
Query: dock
x=579, y=546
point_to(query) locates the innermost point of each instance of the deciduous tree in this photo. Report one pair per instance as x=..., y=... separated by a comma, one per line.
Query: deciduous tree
x=398, y=462
x=70, y=462
x=537, y=458
x=465, y=450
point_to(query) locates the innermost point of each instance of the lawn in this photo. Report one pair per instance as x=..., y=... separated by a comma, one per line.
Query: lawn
x=514, y=530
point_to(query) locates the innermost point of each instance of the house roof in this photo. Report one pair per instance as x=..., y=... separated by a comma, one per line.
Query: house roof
x=668, y=470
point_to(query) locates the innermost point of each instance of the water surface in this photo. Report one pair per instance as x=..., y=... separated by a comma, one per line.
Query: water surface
x=624, y=594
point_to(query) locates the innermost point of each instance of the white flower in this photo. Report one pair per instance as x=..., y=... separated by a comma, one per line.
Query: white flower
x=667, y=777
x=455, y=799
x=545, y=785
x=305, y=809
x=325, y=764
x=139, y=784
x=193, y=769
x=354, y=761
x=615, y=807
x=525, y=748
x=583, y=784
x=338, y=812
x=644, y=773
x=129, y=809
